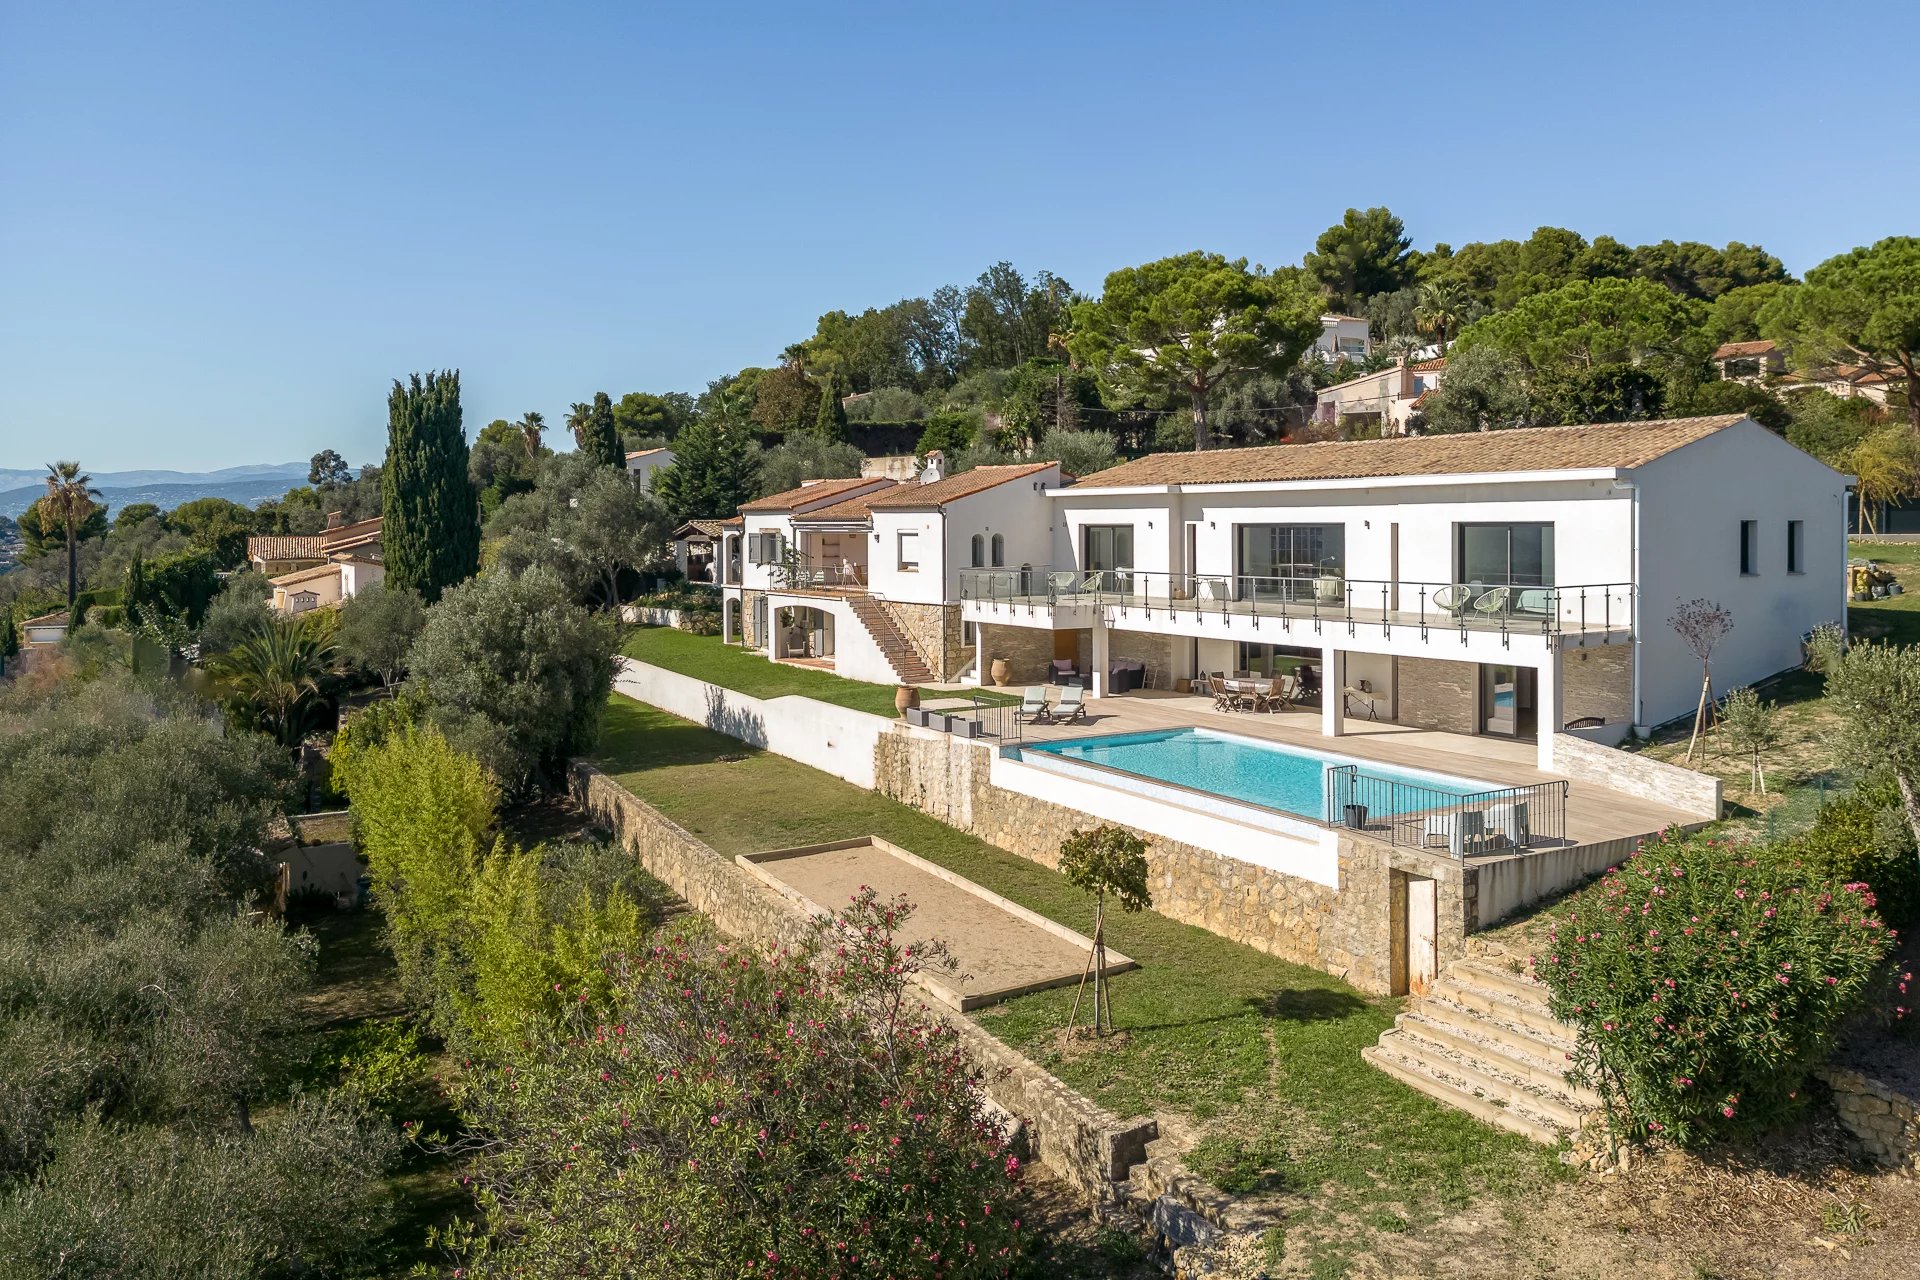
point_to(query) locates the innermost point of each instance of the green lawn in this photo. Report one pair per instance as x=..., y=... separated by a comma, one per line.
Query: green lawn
x=1263, y=1056
x=706, y=658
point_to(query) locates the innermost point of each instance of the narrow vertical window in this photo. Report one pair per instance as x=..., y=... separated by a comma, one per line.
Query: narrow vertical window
x=1796, y=546
x=1749, y=548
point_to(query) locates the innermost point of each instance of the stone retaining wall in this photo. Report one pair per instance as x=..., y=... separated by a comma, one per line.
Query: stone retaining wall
x=1694, y=794
x=1085, y=1144
x=1596, y=683
x=1885, y=1121
x=1347, y=932
x=1437, y=693
x=934, y=632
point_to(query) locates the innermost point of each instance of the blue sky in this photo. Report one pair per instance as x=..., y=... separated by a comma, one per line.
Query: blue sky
x=225, y=229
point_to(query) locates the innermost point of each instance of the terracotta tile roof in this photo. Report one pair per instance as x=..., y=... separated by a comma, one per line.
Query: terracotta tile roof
x=1434, y=365
x=953, y=488
x=1335, y=315
x=305, y=575
x=711, y=528
x=811, y=492
x=1735, y=350
x=1603, y=445
x=48, y=620
x=732, y=522
x=858, y=507
x=356, y=534
x=647, y=453
x=299, y=546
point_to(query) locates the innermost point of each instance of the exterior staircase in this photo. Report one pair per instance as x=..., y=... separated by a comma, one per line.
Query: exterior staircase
x=907, y=664
x=1483, y=1041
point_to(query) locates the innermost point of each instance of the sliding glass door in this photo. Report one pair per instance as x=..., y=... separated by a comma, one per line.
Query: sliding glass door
x=1280, y=561
x=1518, y=557
x=1108, y=551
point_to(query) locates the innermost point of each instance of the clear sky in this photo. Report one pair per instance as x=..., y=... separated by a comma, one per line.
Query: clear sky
x=225, y=228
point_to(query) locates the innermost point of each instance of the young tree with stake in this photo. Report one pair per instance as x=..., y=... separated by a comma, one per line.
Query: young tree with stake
x=1106, y=861
x=1701, y=626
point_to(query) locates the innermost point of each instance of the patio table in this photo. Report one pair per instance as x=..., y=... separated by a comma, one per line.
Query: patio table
x=1260, y=692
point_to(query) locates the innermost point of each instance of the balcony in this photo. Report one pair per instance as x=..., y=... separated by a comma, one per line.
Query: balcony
x=1323, y=603
x=800, y=573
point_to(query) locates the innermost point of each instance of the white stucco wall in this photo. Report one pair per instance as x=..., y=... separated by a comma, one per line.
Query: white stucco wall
x=835, y=740
x=1691, y=504
x=644, y=469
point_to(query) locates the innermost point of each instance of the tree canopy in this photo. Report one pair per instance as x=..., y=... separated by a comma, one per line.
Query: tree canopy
x=1860, y=308
x=431, y=538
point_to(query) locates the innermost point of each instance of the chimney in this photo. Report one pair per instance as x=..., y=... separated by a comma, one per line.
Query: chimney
x=333, y=520
x=936, y=468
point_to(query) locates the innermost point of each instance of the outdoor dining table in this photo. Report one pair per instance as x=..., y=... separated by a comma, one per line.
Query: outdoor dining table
x=1260, y=691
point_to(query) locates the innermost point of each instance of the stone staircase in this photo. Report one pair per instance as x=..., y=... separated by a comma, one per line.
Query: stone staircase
x=1483, y=1041
x=905, y=660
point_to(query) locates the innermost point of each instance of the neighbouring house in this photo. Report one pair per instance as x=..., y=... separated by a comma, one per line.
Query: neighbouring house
x=1515, y=584
x=1386, y=401
x=1750, y=361
x=337, y=581
x=1847, y=381
x=1344, y=338
x=644, y=464
x=44, y=632
x=862, y=576
x=279, y=554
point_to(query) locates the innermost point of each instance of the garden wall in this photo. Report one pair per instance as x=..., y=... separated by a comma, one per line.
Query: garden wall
x=1885, y=1121
x=835, y=740
x=1085, y=1144
x=1692, y=793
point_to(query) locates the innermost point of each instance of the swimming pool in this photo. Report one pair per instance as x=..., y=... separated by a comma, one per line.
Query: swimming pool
x=1290, y=779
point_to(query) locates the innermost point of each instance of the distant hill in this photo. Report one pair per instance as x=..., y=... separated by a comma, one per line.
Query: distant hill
x=165, y=489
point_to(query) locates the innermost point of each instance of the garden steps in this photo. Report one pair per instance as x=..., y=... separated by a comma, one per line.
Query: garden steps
x=908, y=666
x=1483, y=1040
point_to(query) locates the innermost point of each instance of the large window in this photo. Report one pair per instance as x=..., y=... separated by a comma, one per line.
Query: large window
x=1282, y=560
x=1505, y=555
x=1107, y=549
x=909, y=551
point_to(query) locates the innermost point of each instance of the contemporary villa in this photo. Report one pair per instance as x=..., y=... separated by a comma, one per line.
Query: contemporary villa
x=1361, y=694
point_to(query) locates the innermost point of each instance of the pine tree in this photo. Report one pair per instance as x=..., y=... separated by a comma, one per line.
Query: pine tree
x=431, y=538
x=602, y=436
x=715, y=469
x=831, y=422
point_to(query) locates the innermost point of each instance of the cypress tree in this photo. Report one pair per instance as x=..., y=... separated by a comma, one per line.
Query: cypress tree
x=431, y=538
x=9, y=639
x=603, y=437
x=831, y=422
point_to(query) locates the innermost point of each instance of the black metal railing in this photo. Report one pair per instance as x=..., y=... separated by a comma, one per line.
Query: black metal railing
x=996, y=720
x=1507, y=819
x=1318, y=599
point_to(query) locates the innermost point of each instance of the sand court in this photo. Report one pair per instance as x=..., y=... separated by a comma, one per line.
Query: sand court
x=1004, y=949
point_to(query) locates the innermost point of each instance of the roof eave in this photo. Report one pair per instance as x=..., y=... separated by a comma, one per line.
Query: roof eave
x=1353, y=482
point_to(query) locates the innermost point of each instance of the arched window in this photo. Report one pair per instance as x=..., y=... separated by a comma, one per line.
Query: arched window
x=979, y=551
x=999, y=550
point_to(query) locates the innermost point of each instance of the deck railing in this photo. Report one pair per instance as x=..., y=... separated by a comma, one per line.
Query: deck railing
x=803, y=574
x=1507, y=819
x=1504, y=607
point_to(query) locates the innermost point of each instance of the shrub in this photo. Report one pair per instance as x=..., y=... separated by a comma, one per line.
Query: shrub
x=1707, y=981
x=739, y=1114
x=380, y=1062
x=1864, y=836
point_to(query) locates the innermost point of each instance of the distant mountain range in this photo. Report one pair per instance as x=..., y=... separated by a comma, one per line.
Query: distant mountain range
x=165, y=489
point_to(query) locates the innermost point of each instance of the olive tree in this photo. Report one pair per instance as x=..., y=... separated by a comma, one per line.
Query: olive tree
x=1107, y=861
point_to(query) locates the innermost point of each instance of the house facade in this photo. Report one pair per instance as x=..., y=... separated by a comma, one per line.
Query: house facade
x=863, y=576
x=644, y=464
x=1387, y=398
x=1516, y=584
x=1343, y=338
x=330, y=567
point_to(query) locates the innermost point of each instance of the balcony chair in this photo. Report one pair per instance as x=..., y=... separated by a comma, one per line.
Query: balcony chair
x=1033, y=706
x=1509, y=821
x=1494, y=603
x=1062, y=671
x=1462, y=832
x=1452, y=600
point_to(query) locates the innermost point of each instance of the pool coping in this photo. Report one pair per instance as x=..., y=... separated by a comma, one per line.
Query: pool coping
x=934, y=984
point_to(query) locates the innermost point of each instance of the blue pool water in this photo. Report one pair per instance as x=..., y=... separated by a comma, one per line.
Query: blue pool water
x=1286, y=778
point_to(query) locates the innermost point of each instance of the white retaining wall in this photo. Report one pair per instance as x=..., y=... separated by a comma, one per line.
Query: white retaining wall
x=835, y=740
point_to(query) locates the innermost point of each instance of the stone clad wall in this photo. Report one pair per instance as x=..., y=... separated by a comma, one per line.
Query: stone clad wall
x=934, y=631
x=1695, y=794
x=1885, y=1121
x=1347, y=932
x=1085, y=1144
x=1437, y=693
x=747, y=600
x=1027, y=650
x=1143, y=646
x=1597, y=682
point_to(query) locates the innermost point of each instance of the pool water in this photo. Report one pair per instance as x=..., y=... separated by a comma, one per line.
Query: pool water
x=1290, y=779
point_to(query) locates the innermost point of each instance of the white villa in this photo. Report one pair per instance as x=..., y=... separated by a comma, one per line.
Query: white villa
x=642, y=464
x=1387, y=398
x=1344, y=338
x=1512, y=584
x=320, y=570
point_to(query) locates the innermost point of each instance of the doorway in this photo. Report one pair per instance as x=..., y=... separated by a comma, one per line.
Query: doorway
x=1508, y=707
x=1416, y=928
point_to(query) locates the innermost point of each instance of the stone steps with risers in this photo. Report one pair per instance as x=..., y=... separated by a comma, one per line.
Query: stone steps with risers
x=1483, y=1040
x=908, y=666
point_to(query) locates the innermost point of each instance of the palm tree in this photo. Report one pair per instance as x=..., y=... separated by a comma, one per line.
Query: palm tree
x=273, y=677
x=578, y=415
x=1443, y=308
x=532, y=427
x=71, y=498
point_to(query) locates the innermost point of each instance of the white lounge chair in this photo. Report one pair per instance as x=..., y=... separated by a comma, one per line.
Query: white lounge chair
x=1460, y=832
x=1072, y=705
x=1033, y=706
x=1509, y=821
